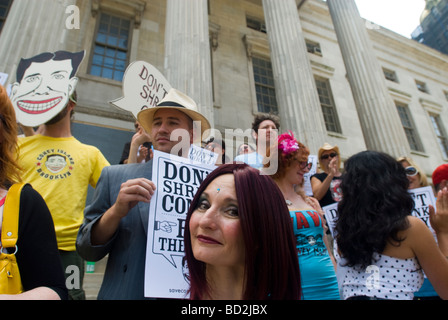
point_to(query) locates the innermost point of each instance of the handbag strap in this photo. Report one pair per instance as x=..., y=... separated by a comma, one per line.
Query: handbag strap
x=10, y=224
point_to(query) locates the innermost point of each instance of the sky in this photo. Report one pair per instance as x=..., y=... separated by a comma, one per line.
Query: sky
x=400, y=16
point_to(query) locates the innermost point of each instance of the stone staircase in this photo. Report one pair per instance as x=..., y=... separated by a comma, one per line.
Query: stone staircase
x=92, y=281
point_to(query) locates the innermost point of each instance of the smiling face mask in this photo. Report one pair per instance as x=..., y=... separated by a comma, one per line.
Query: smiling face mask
x=44, y=86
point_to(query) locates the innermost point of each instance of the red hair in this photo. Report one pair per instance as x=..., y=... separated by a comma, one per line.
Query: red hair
x=272, y=269
x=9, y=167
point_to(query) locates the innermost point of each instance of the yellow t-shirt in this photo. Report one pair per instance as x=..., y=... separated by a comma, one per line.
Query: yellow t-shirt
x=61, y=169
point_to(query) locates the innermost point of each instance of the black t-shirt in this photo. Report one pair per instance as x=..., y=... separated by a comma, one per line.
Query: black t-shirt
x=333, y=193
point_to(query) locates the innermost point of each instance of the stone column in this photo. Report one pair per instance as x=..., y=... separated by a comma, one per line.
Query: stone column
x=299, y=105
x=187, y=52
x=23, y=36
x=377, y=112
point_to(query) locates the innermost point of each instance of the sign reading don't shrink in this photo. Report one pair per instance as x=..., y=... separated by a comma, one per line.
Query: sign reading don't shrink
x=177, y=179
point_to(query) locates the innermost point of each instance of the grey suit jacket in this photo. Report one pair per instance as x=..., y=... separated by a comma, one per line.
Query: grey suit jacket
x=124, y=275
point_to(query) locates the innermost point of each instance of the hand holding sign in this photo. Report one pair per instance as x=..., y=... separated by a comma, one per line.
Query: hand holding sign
x=132, y=192
x=143, y=87
x=439, y=217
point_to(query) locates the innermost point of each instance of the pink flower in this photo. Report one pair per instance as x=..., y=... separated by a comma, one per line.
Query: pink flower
x=287, y=143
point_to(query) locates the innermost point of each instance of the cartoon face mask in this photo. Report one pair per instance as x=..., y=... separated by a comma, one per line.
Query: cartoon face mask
x=45, y=84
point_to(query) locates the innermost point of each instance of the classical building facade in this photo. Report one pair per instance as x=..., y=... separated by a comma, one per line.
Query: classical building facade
x=330, y=75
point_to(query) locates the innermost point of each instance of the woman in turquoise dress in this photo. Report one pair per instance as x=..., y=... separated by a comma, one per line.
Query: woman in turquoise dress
x=317, y=267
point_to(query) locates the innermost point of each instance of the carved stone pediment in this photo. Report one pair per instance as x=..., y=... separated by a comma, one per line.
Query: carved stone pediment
x=132, y=9
x=256, y=45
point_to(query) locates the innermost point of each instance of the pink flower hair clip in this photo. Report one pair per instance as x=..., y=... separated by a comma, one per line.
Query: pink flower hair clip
x=287, y=143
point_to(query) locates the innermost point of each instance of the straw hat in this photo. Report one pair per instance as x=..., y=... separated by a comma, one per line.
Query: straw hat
x=174, y=100
x=328, y=147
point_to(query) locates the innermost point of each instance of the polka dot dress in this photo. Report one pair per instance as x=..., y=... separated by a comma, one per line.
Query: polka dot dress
x=388, y=278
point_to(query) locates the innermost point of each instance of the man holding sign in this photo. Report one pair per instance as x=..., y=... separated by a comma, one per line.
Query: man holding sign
x=116, y=222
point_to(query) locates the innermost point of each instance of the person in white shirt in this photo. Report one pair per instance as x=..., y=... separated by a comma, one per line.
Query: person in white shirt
x=264, y=131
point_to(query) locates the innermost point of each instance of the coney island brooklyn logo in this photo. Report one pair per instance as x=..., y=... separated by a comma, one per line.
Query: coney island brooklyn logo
x=54, y=164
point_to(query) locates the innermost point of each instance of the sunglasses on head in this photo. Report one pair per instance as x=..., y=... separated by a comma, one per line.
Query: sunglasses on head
x=326, y=156
x=410, y=171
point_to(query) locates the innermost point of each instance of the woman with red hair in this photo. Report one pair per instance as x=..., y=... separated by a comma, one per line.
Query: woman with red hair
x=318, y=275
x=239, y=243
x=36, y=251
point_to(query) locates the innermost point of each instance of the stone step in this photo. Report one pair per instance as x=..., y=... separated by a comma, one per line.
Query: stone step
x=92, y=281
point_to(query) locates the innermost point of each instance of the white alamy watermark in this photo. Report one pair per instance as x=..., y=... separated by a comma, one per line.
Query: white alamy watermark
x=373, y=281
x=73, y=280
x=73, y=19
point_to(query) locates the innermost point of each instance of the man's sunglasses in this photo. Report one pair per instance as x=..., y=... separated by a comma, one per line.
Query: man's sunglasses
x=326, y=156
x=410, y=171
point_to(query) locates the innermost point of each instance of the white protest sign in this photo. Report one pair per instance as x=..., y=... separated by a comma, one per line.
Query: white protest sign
x=177, y=180
x=331, y=215
x=423, y=197
x=202, y=155
x=143, y=87
x=3, y=78
x=307, y=176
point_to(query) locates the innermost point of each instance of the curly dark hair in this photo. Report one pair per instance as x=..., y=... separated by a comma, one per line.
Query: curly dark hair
x=374, y=206
x=259, y=118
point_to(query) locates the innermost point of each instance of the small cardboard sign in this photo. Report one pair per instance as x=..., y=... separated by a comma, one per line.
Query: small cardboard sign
x=202, y=155
x=3, y=78
x=423, y=197
x=143, y=87
x=307, y=176
x=331, y=215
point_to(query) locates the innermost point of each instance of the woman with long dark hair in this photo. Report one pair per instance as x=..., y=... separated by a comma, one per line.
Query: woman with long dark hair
x=239, y=242
x=382, y=248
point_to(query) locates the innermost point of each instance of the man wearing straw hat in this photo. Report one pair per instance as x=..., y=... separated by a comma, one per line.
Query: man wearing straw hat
x=116, y=221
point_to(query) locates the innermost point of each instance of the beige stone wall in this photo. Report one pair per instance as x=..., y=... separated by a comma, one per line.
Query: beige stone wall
x=318, y=27
x=412, y=61
x=234, y=104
